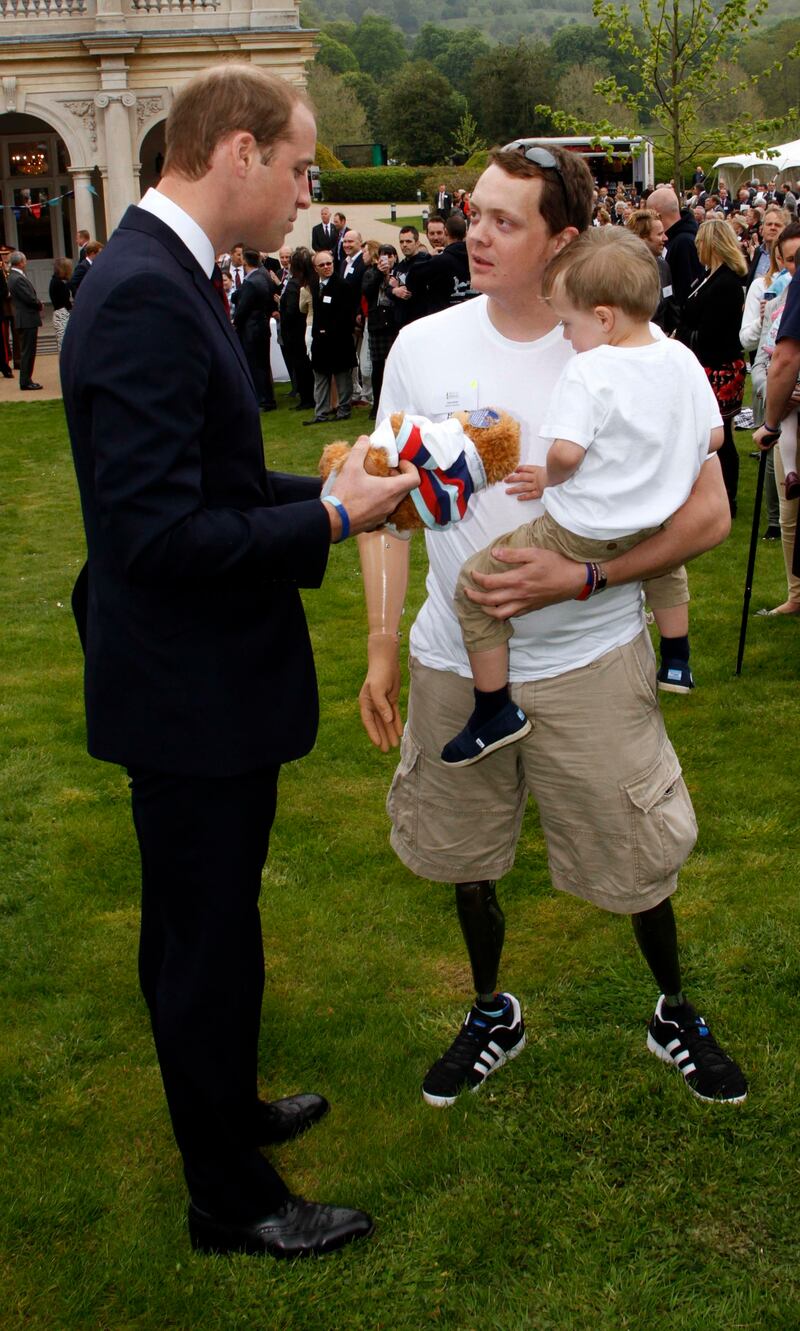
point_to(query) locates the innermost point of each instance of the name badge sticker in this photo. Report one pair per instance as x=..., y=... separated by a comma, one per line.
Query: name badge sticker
x=326, y=300
x=464, y=398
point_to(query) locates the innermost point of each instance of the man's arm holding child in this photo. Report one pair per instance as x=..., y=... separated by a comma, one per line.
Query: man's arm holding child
x=537, y=578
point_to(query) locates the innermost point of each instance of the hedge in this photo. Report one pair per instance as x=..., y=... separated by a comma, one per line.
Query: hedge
x=373, y=184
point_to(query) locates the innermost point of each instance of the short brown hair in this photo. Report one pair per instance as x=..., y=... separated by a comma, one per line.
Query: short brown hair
x=641, y=222
x=567, y=193
x=606, y=266
x=221, y=101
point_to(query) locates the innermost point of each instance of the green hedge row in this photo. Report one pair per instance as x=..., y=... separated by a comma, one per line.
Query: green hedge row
x=373, y=184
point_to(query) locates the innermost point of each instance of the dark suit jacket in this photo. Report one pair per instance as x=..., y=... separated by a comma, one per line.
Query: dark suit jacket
x=447, y=206
x=332, y=346
x=293, y=322
x=318, y=241
x=442, y=281
x=25, y=301
x=712, y=316
x=80, y=270
x=252, y=309
x=356, y=277
x=197, y=654
x=682, y=257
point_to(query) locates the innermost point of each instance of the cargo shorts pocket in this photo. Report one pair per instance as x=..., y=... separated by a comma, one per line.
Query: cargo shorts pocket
x=402, y=801
x=663, y=825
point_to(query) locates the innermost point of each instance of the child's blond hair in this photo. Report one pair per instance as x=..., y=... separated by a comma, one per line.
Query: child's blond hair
x=605, y=266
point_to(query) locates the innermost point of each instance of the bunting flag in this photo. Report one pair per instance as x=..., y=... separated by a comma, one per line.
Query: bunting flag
x=36, y=208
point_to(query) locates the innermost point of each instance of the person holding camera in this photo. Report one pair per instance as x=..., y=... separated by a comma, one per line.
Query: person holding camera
x=382, y=326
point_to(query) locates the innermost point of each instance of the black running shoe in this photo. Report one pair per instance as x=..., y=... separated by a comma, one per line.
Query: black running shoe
x=469, y=746
x=683, y=1038
x=482, y=1046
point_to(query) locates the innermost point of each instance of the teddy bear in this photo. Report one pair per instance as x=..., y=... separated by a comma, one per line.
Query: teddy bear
x=456, y=458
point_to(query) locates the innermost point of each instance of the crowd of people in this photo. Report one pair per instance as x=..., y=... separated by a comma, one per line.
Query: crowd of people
x=21, y=309
x=335, y=309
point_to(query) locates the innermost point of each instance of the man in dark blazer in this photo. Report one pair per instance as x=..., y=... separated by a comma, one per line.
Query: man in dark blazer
x=333, y=354
x=6, y=316
x=90, y=252
x=324, y=235
x=442, y=202
x=253, y=306
x=27, y=319
x=199, y=676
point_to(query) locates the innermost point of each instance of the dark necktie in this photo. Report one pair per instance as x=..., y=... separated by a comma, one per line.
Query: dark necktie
x=237, y=278
x=216, y=282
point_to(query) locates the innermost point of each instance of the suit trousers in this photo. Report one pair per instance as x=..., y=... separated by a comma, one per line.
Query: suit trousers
x=27, y=338
x=203, y=844
x=322, y=393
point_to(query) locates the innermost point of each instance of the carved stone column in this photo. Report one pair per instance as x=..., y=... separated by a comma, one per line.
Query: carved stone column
x=84, y=201
x=122, y=189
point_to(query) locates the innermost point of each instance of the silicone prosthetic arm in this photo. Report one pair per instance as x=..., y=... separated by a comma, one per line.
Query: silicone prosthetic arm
x=384, y=567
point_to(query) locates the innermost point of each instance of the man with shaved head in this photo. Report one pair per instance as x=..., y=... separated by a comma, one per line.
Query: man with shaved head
x=680, y=228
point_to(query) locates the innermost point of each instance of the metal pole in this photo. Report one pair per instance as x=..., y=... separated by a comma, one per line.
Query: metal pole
x=751, y=558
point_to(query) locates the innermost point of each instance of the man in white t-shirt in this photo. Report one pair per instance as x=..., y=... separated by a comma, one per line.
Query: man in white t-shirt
x=613, y=806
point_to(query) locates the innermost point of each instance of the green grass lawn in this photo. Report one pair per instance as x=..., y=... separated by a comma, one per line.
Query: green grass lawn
x=404, y=221
x=582, y=1190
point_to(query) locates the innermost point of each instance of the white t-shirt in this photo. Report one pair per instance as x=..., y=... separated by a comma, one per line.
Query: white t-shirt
x=457, y=360
x=644, y=415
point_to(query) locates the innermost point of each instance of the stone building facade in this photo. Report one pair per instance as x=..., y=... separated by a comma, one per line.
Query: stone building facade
x=85, y=87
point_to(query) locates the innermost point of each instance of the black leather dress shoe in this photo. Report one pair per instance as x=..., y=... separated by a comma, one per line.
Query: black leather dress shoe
x=281, y=1120
x=298, y=1229
x=29, y=388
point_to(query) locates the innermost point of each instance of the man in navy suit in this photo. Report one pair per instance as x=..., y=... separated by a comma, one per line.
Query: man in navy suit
x=253, y=306
x=324, y=235
x=199, y=675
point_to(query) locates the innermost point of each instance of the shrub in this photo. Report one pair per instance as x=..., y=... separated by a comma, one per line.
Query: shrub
x=372, y=184
x=326, y=160
x=477, y=162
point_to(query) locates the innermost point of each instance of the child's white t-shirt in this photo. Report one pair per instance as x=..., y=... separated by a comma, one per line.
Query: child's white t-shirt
x=644, y=415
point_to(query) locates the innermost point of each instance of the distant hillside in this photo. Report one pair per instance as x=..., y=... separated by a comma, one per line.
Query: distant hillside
x=499, y=20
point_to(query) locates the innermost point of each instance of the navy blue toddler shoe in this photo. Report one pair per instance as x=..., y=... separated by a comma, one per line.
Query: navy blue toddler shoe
x=506, y=727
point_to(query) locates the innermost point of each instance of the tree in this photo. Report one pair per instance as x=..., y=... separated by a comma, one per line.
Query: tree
x=430, y=42
x=580, y=44
x=420, y=112
x=683, y=54
x=379, y=47
x=368, y=94
x=782, y=88
x=340, y=116
x=457, y=62
x=466, y=139
x=334, y=55
x=576, y=93
x=509, y=87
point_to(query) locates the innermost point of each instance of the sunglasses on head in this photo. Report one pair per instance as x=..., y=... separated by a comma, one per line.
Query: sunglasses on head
x=542, y=157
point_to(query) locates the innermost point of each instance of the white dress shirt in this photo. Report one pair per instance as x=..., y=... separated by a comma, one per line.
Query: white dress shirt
x=184, y=226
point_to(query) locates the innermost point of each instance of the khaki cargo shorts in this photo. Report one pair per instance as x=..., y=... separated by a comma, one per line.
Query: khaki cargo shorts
x=614, y=808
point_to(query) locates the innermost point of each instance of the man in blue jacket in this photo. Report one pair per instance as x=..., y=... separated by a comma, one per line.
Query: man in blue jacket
x=199, y=675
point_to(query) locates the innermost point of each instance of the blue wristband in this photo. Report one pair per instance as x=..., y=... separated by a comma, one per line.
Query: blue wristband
x=343, y=515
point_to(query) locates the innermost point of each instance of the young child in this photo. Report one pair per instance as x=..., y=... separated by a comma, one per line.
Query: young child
x=632, y=420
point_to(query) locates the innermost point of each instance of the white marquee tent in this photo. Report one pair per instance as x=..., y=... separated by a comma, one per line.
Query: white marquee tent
x=783, y=157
